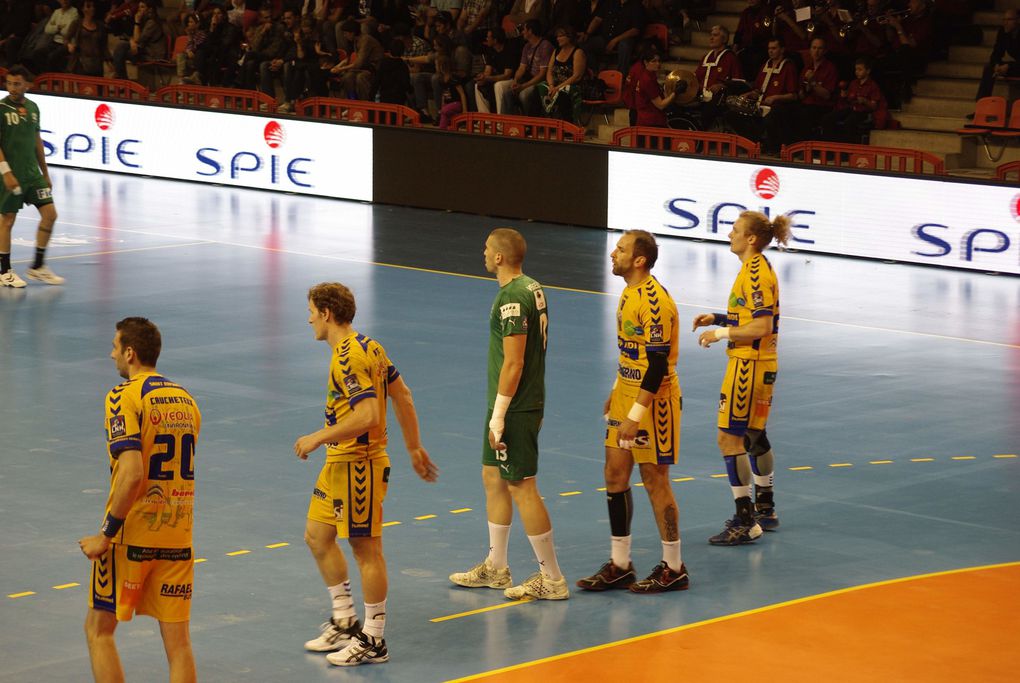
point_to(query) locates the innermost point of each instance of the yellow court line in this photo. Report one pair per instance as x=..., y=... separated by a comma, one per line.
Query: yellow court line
x=570, y=493
x=802, y=468
x=459, y=511
x=273, y=546
x=640, y=483
x=424, y=517
x=842, y=464
x=21, y=595
x=238, y=552
x=119, y=251
x=684, y=479
x=602, y=488
x=199, y=560
x=555, y=287
x=880, y=462
x=65, y=585
x=922, y=460
x=729, y=617
x=490, y=608
x=718, y=476
x=390, y=523
x=963, y=457
x=1005, y=455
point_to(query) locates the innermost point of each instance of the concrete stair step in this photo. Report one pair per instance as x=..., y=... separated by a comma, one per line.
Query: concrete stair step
x=988, y=34
x=700, y=39
x=730, y=21
x=945, y=124
x=1010, y=153
x=929, y=141
x=606, y=131
x=687, y=66
x=972, y=173
x=938, y=106
x=730, y=6
x=951, y=70
x=620, y=117
x=988, y=18
x=946, y=87
x=687, y=53
x=970, y=55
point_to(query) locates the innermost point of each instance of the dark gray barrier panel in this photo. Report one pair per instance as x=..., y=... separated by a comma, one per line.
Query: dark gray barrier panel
x=555, y=182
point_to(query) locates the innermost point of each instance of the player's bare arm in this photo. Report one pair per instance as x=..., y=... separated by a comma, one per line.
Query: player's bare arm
x=10, y=180
x=756, y=329
x=509, y=377
x=125, y=492
x=365, y=416
x=407, y=416
x=40, y=155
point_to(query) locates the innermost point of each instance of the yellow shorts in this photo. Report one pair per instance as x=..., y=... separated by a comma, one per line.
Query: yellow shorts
x=350, y=495
x=661, y=419
x=746, y=395
x=130, y=579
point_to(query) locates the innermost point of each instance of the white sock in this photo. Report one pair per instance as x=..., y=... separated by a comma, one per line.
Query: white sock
x=621, y=551
x=741, y=491
x=545, y=551
x=375, y=619
x=343, y=605
x=499, y=538
x=763, y=479
x=671, y=554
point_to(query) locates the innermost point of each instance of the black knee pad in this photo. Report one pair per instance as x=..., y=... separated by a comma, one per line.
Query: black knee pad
x=756, y=443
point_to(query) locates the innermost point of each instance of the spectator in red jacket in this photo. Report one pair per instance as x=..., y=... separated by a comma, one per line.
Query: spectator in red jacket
x=855, y=112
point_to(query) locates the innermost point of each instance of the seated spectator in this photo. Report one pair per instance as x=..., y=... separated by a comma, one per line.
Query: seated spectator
x=718, y=67
x=304, y=73
x=50, y=53
x=776, y=82
x=86, y=43
x=642, y=93
x=1007, y=43
x=387, y=13
x=421, y=62
x=752, y=36
x=839, y=44
x=15, y=24
x=501, y=59
x=912, y=45
x=855, y=111
x=278, y=58
x=221, y=50
x=357, y=76
x=451, y=8
x=393, y=78
x=147, y=42
x=793, y=34
x=560, y=92
x=474, y=22
x=518, y=94
x=120, y=20
x=790, y=122
x=259, y=38
x=188, y=63
x=523, y=10
x=453, y=99
x=614, y=32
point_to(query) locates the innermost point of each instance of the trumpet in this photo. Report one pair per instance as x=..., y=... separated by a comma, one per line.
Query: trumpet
x=769, y=20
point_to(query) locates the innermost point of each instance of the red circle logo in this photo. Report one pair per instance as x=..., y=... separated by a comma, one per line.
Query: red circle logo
x=765, y=183
x=274, y=134
x=104, y=117
x=1015, y=207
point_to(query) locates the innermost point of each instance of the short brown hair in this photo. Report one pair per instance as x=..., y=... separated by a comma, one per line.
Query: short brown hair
x=645, y=245
x=511, y=244
x=335, y=298
x=141, y=335
x=767, y=230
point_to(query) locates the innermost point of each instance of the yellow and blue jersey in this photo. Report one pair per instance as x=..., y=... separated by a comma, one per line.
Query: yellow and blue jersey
x=646, y=322
x=755, y=294
x=159, y=418
x=359, y=371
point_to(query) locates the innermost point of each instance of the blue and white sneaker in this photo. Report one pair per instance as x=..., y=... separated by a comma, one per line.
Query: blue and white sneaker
x=737, y=532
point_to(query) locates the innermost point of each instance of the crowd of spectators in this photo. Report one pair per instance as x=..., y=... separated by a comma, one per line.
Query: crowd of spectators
x=788, y=72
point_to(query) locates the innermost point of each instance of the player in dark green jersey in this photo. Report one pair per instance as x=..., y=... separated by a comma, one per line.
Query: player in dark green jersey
x=26, y=179
x=519, y=330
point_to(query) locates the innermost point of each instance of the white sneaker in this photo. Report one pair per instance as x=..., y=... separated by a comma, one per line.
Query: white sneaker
x=539, y=587
x=363, y=649
x=335, y=635
x=44, y=274
x=483, y=575
x=11, y=279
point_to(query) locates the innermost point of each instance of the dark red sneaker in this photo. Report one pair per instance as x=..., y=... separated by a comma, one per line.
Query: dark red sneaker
x=662, y=579
x=608, y=576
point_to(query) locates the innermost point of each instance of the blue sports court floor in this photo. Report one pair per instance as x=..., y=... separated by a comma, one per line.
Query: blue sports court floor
x=896, y=425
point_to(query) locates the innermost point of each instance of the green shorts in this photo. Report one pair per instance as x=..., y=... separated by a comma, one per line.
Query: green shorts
x=520, y=461
x=35, y=192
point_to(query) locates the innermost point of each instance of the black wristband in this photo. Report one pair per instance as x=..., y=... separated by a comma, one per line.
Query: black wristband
x=111, y=525
x=720, y=319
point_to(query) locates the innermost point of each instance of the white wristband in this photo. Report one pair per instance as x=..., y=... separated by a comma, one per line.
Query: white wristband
x=637, y=411
x=722, y=333
x=5, y=168
x=500, y=406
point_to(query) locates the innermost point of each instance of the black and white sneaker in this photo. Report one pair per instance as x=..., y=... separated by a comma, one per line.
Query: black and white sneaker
x=336, y=633
x=362, y=649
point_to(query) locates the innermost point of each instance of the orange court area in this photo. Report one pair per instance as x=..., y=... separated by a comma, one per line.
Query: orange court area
x=961, y=625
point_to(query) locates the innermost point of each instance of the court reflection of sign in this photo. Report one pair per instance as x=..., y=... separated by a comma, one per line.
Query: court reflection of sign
x=208, y=146
x=909, y=219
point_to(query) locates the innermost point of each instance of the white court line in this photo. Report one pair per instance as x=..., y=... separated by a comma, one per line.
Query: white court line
x=928, y=335
x=116, y=251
